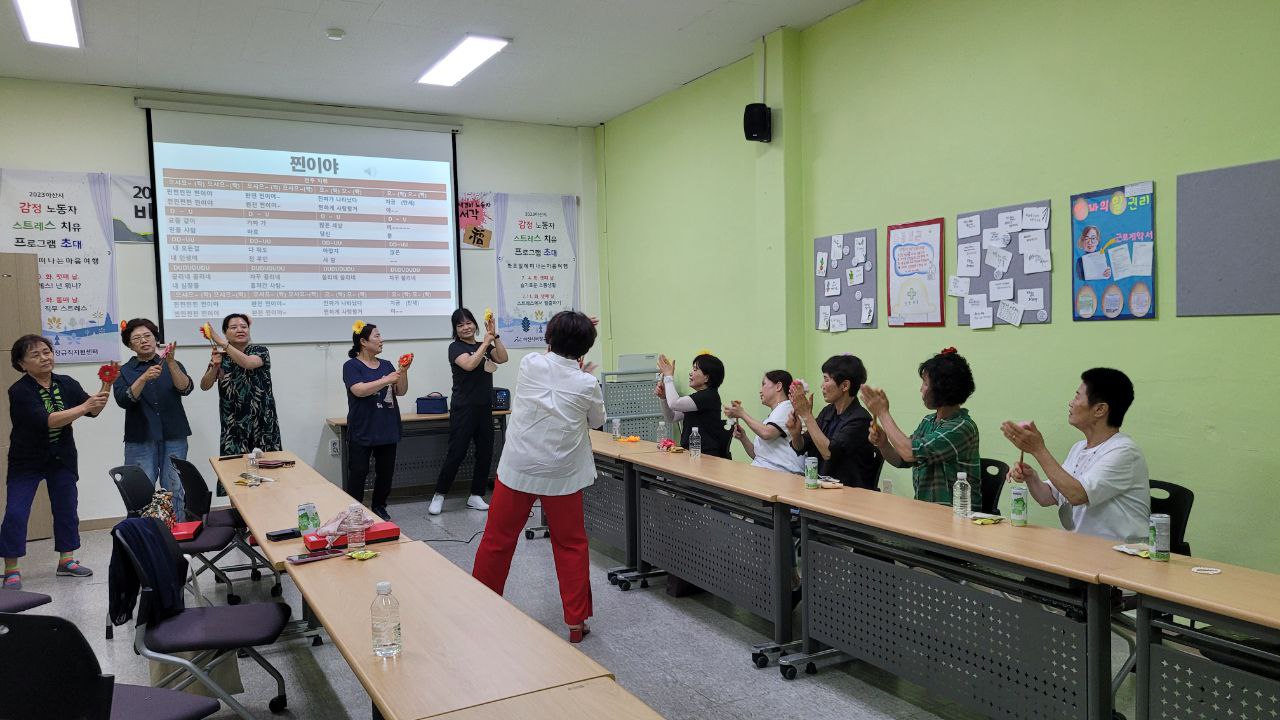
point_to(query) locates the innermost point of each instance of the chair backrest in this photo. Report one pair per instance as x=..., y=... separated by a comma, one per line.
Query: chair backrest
x=1176, y=503
x=196, y=495
x=994, y=473
x=135, y=487
x=875, y=483
x=142, y=558
x=50, y=671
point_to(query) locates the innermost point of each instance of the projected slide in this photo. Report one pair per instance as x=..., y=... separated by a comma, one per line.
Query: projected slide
x=291, y=235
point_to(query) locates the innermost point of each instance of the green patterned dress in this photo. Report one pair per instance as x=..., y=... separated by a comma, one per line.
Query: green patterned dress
x=247, y=405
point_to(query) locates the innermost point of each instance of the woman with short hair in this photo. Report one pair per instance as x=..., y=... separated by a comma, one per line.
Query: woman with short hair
x=373, y=414
x=699, y=409
x=246, y=401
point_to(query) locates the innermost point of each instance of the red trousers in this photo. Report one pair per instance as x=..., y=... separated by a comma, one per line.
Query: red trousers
x=508, y=512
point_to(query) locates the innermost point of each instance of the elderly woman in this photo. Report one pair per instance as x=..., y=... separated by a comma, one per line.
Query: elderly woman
x=242, y=370
x=374, y=387
x=945, y=442
x=837, y=436
x=150, y=388
x=42, y=406
x=548, y=457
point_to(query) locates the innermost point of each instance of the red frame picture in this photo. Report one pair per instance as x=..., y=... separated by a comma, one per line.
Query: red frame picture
x=941, y=272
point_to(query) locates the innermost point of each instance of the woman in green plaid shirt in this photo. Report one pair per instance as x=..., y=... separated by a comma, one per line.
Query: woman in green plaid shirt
x=946, y=441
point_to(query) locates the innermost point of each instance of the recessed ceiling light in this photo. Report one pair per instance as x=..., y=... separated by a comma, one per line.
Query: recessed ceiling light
x=50, y=22
x=467, y=56
x=335, y=33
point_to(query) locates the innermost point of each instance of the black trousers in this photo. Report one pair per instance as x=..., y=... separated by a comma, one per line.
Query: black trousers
x=384, y=462
x=468, y=424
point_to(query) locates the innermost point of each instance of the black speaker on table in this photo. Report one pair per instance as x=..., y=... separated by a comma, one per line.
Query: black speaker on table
x=757, y=122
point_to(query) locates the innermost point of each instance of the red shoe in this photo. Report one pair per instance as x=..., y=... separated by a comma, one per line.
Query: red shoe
x=577, y=633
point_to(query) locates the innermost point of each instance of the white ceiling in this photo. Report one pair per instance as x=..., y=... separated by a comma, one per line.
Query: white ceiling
x=571, y=62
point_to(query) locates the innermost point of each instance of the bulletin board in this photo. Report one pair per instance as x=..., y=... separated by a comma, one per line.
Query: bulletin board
x=844, y=286
x=1003, y=272
x=1228, y=220
x=914, y=273
x=1113, y=253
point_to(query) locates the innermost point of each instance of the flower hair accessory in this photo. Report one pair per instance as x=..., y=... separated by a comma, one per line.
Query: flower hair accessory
x=948, y=351
x=123, y=323
x=703, y=351
x=357, y=327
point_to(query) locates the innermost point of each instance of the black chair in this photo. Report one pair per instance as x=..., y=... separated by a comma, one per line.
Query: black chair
x=54, y=674
x=1176, y=503
x=214, y=634
x=199, y=502
x=16, y=601
x=994, y=473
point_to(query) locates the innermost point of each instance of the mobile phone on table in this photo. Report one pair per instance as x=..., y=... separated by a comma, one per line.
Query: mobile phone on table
x=316, y=555
x=285, y=534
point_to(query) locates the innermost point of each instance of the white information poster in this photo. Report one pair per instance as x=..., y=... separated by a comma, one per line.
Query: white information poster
x=537, y=263
x=65, y=220
x=131, y=209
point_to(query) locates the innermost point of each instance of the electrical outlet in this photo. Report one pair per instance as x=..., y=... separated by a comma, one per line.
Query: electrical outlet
x=334, y=450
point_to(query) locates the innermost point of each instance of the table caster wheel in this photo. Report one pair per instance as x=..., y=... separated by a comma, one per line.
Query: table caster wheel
x=624, y=585
x=760, y=660
x=233, y=599
x=276, y=590
x=278, y=704
x=788, y=672
x=528, y=534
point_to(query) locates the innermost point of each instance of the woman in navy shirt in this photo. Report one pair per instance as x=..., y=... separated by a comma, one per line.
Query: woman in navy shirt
x=42, y=406
x=373, y=414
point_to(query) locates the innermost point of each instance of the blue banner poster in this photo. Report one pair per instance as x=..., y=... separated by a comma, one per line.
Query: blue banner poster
x=1113, y=253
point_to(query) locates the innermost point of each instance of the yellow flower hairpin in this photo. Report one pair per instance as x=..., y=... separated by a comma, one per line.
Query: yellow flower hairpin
x=703, y=351
x=357, y=327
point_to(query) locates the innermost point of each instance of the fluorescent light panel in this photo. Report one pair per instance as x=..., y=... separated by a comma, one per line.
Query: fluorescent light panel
x=50, y=22
x=470, y=54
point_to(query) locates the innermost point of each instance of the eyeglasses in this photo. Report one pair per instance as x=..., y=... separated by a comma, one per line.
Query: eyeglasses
x=139, y=337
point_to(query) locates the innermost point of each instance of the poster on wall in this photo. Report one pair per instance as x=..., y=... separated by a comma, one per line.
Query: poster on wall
x=1113, y=250
x=536, y=238
x=131, y=209
x=475, y=220
x=65, y=220
x=1003, y=267
x=913, y=269
x=845, y=281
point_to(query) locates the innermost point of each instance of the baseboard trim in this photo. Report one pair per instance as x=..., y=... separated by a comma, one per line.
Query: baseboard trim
x=99, y=523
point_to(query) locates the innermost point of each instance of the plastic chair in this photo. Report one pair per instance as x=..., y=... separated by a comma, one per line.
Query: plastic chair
x=199, y=503
x=50, y=656
x=994, y=474
x=214, y=634
x=1176, y=503
x=134, y=486
x=16, y=601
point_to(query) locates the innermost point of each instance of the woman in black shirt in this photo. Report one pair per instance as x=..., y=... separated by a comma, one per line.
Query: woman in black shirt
x=470, y=407
x=838, y=435
x=702, y=408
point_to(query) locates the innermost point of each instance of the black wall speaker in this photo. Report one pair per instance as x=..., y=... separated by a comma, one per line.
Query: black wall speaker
x=757, y=123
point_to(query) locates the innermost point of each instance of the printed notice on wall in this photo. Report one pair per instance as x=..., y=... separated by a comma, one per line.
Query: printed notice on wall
x=536, y=237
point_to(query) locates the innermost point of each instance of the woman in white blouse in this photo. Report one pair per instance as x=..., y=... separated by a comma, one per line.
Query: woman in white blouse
x=547, y=456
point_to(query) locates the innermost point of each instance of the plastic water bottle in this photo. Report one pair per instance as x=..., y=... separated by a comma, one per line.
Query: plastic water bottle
x=695, y=443
x=615, y=426
x=886, y=485
x=662, y=431
x=353, y=527
x=960, y=496
x=253, y=458
x=386, y=622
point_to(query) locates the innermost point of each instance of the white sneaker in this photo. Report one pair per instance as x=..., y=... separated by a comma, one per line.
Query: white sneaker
x=476, y=502
x=437, y=504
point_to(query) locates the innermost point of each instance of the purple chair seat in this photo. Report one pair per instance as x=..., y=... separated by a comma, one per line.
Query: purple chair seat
x=224, y=517
x=210, y=539
x=16, y=601
x=132, y=702
x=219, y=628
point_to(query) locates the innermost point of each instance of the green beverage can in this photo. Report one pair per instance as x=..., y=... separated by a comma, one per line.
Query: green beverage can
x=308, y=518
x=811, y=473
x=1158, y=537
x=1018, y=514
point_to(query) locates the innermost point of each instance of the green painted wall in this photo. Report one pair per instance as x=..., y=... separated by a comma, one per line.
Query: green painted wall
x=913, y=109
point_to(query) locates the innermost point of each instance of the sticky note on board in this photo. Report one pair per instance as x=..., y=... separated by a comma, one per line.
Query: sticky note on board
x=969, y=259
x=838, y=323
x=1037, y=261
x=973, y=303
x=999, y=259
x=1031, y=298
x=995, y=238
x=820, y=265
x=1010, y=313
x=1029, y=240
x=1035, y=218
x=1009, y=222
x=957, y=286
x=832, y=287
x=1143, y=257
x=967, y=227
x=1121, y=264
x=854, y=275
x=1000, y=289
x=868, y=310
x=860, y=249
x=824, y=317
x=981, y=319
x=1095, y=266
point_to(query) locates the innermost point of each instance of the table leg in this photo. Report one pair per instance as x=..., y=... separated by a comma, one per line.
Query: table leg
x=1146, y=635
x=1098, y=649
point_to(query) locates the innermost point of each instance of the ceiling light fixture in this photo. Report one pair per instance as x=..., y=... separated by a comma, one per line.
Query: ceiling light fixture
x=466, y=57
x=50, y=22
x=335, y=33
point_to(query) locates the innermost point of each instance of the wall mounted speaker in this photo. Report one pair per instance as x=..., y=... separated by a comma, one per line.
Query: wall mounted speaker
x=757, y=122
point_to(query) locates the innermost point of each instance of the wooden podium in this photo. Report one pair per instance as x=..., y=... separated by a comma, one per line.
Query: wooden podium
x=20, y=296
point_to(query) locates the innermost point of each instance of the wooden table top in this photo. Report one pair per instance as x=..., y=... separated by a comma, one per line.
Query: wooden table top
x=274, y=505
x=409, y=417
x=590, y=700
x=1238, y=592
x=603, y=444
x=723, y=474
x=464, y=645
x=1049, y=549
